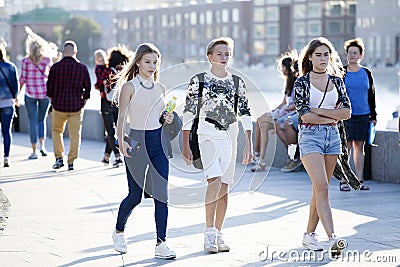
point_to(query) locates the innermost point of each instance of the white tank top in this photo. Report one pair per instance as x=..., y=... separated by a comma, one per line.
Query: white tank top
x=146, y=106
x=316, y=96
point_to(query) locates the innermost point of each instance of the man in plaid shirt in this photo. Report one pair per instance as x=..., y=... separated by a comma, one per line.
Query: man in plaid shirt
x=68, y=88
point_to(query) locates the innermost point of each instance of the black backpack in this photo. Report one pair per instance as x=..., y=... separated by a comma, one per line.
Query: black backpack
x=193, y=137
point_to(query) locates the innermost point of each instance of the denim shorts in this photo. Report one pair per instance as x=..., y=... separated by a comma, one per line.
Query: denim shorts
x=322, y=139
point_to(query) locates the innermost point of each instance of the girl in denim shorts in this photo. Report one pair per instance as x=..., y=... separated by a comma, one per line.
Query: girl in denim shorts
x=321, y=100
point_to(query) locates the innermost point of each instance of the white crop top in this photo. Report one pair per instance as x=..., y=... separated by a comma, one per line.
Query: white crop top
x=146, y=106
x=316, y=96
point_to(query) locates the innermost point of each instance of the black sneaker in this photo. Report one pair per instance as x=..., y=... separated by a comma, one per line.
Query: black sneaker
x=43, y=153
x=105, y=161
x=117, y=163
x=59, y=163
x=70, y=166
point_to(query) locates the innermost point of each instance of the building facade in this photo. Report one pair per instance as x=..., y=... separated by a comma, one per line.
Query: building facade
x=182, y=33
x=378, y=24
x=283, y=24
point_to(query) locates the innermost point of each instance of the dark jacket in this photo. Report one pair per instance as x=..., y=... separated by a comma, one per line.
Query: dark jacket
x=9, y=84
x=343, y=170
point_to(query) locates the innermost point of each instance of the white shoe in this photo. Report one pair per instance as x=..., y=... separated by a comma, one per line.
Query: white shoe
x=163, y=252
x=119, y=242
x=336, y=245
x=310, y=242
x=210, y=238
x=222, y=247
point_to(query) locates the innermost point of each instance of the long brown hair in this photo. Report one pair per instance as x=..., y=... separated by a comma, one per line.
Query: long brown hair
x=289, y=60
x=335, y=66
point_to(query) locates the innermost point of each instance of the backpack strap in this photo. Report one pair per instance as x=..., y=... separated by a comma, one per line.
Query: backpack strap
x=200, y=76
x=236, y=97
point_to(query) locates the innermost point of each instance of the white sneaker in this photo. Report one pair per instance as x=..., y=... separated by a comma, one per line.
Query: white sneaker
x=119, y=242
x=336, y=245
x=222, y=247
x=210, y=238
x=310, y=242
x=163, y=252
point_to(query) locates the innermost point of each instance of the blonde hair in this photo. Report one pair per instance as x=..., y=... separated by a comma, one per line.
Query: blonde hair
x=131, y=69
x=218, y=41
x=34, y=50
x=100, y=53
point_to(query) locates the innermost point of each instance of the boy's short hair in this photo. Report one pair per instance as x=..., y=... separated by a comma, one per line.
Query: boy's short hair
x=218, y=41
x=71, y=43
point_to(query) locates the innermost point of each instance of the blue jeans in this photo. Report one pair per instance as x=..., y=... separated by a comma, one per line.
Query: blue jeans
x=6, y=117
x=37, y=112
x=322, y=139
x=151, y=155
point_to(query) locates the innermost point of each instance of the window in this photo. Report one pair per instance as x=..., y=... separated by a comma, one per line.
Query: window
x=314, y=10
x=235, y=15
x=193, y=18
x=259, y=31
x=178, y=19
x=351, y=27
x=259, y=48
x=335, y=9
x=299, y=11
x=164, y=21
x=272, y=2
x=272, y=13
x=235, y=32
x=352, y=10
x=209, y=17
x=150, y=20
x=259, y=14
x=272, y=47
x=314, y=28
x=299, y=44
x=335, y=27
x=225, y=15
x=202, y=18
x=208, y=32
x=299, y=28
x=273, y=30
x=259, y=2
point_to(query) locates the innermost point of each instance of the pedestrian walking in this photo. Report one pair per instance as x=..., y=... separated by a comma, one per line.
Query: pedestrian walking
x=68, y=87
x=35, y=69
x=321, y=101
x=141, y=101
x=9, y=86
x=223, y=98
x=118, y=56
x=361, y=90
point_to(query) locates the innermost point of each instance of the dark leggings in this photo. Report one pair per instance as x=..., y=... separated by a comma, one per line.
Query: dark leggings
x=110, y=117
x=150, y=155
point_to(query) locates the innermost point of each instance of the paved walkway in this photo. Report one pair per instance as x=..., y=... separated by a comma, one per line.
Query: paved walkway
x=62, y=218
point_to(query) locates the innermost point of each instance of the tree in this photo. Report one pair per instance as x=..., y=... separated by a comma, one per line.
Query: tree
x=84, y=32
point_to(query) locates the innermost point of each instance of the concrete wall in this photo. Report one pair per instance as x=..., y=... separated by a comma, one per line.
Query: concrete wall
x=385, y=157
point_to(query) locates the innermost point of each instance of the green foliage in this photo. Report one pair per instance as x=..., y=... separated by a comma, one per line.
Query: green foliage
x=85, y=33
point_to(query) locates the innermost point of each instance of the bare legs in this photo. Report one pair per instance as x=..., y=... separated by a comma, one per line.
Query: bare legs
x=320, y=169
x=265, y=123
x=288, y=134
x=358, y=157
x=216, y=202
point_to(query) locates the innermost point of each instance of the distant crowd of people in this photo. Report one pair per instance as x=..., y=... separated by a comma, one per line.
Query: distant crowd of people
x=319, y=94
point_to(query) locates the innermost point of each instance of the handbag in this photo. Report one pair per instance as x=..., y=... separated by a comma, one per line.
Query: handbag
x=172, y=129
x=193, y=137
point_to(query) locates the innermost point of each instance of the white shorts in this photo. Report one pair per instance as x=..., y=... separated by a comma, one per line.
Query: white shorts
x=218, y=157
